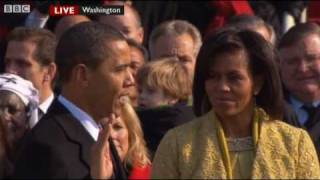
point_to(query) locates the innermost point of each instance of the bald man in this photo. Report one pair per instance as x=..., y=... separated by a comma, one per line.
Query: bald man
x=129, y=23
x=67, y=22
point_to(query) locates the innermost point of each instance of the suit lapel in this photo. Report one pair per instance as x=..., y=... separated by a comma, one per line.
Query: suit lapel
x=73, y=130
x=314, y=131
x=290, y=116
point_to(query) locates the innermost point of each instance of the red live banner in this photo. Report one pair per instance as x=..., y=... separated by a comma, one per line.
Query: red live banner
x=64, y=10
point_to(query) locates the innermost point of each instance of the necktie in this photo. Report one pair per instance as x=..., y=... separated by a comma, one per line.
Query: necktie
x=311, y=110
x=40, y=113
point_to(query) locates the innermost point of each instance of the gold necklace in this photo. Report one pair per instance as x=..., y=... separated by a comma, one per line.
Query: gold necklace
x=223, y=143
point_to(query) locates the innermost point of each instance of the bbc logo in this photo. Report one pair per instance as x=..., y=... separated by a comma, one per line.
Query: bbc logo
x=16, y=8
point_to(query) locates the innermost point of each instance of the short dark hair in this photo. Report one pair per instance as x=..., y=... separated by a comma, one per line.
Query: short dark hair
x=245, y=21
x=167, y=74
x=44, y=40
x=251, y=22
x=144, y=51
x=298, y=32
x=85, y=43
x=262, y=61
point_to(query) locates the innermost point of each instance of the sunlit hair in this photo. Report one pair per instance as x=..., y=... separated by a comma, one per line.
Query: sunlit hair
x=167, y=74
x=44, y=40
x=137, y=154
x=297, y=33
x=253, y=23
x=175, y=28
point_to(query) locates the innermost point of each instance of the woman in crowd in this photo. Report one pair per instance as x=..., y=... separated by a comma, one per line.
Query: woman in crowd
x=18, y=103
x=127, y=136
x=238, y=101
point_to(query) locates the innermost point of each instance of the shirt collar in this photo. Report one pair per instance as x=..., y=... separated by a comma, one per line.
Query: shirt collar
x=44, y=106
x=85, y=119
x=296, y=103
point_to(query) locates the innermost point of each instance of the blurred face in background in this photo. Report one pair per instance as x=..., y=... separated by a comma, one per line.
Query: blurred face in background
x=300, y=68
x=120, y=136
x=181, y=46
x=137, y=60
x=19, y=60
x=13, y=114
x=127, y=24
x=152, y=98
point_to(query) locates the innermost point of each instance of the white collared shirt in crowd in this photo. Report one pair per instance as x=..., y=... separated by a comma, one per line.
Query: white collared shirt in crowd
x=44, y=106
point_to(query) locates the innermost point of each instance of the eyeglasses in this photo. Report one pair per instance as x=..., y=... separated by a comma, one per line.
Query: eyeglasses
x=308, y=60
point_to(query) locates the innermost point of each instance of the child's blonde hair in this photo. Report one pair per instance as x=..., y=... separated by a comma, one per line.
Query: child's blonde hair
x=167, y=74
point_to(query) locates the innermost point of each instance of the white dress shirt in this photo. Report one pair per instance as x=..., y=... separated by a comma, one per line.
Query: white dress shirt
x=43, y=107
x=85, y=119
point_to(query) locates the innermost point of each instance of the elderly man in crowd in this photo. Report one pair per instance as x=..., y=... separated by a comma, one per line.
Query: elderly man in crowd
x=176, y=38
x=300, y=70
x=30, y=54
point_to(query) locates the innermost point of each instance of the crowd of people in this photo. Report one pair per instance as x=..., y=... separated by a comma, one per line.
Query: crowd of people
x=98, y=97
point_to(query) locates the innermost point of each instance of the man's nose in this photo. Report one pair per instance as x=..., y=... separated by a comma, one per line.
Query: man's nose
x=222, y=85
x=129, y=81
x=5, y=116
x=303, y=66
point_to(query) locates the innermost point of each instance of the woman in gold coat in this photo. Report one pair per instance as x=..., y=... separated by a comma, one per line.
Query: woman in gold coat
x=238, y=101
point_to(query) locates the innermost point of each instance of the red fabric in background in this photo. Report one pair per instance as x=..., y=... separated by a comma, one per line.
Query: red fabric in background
x=226, y=9
x=140, y=173
x=313, y=11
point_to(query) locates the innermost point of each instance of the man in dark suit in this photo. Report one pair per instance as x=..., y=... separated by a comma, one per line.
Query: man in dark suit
x=30, y=54
x=300, y=70
x=93, y=64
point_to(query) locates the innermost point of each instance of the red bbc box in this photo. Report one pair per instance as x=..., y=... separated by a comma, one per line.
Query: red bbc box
x=64, y=10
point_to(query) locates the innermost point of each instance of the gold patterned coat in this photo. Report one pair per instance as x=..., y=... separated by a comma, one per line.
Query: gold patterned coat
x=192, y=151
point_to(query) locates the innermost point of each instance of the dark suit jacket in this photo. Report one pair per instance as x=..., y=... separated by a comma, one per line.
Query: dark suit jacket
x=291, y=118
x=157, y=121
x=57, y=147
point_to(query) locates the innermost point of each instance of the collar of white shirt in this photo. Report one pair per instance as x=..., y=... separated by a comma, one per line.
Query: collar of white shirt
x=85, y=119
x=301, y=113
x=44, y=106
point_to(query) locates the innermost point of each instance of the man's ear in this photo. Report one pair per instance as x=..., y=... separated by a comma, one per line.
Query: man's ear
x=51, y=72
x=141, y=35
x=81, y=75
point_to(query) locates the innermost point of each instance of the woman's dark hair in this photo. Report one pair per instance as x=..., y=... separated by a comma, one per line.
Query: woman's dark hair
x=262, y=62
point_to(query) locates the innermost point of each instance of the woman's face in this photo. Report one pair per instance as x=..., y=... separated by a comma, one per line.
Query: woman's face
x=14, y=118
x=120, y=136
x=229, y=85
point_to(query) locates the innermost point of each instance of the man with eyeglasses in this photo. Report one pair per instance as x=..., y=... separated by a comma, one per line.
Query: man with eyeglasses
x=300, y=71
